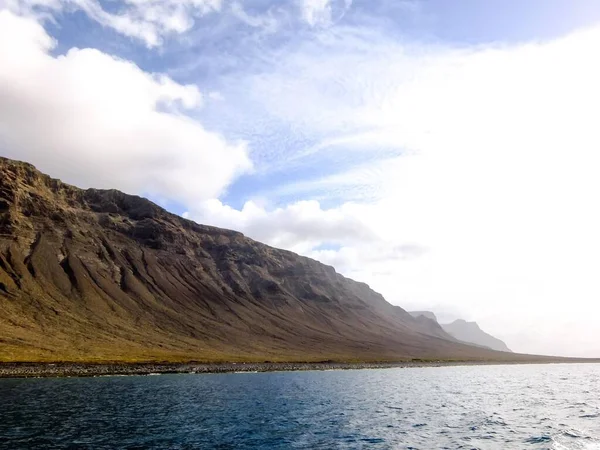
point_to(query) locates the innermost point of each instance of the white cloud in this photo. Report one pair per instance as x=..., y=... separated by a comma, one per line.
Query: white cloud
x=95, y=120
x=147, y=20
x=267, y=22
x=347, y=236
x=323, y=12
x=498, y=180
x=299, y=227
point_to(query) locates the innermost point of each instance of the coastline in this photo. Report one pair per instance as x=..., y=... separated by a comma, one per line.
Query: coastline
x=61, y=370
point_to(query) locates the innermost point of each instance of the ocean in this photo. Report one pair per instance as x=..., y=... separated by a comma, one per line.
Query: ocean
x=471, y=407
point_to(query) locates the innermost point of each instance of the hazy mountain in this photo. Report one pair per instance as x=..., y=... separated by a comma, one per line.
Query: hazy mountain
x=99, y=275
x=470, y=332
x=427, y=314
x=466, y=332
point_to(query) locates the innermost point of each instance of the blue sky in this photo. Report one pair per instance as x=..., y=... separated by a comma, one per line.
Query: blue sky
x=443, y=152
x=221, y=48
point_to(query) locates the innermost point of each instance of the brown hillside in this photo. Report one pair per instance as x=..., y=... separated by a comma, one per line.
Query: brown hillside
x=104, y=276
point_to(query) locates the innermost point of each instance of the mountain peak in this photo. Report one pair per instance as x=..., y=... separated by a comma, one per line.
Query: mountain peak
x=427, y=314
x=466, y=323
x=471, y=332
x=465, y=331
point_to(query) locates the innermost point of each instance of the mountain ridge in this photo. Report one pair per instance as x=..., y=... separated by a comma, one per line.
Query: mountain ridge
x=471, y=332
x=99, y=275
x=464, y=331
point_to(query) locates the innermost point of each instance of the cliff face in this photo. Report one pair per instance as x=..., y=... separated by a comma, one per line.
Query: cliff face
x=471, y=333
x=463, y=331
x=100, y=275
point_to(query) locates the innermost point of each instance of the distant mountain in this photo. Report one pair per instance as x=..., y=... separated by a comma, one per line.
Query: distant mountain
x=466, y=332
x=470, y=332
x=99, y=275
x=428, y=323
x=427, y=314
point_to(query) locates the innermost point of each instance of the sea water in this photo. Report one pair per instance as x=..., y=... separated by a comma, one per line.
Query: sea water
x=485, y=407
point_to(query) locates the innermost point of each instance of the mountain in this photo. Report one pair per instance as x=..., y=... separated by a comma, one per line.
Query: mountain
x=431, y=327
x=427, y=314
x=470, y=332
x=99, y=275
x=464, y=331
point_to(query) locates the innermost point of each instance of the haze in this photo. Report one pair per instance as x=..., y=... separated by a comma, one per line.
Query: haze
x=446, y=155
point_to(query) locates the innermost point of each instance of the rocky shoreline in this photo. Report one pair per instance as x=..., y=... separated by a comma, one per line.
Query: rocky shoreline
x=57, y=370
x=41, y=370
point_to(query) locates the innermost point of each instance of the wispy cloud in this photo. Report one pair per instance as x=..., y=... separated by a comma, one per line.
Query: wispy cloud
x=489, y=163
x=323, y=12
x=147, y=20
x=269, y=22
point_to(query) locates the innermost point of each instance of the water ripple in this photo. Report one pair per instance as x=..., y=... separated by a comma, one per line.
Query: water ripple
x=486, y=407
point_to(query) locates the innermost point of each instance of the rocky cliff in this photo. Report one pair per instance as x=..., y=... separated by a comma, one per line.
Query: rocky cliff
x=98, y=275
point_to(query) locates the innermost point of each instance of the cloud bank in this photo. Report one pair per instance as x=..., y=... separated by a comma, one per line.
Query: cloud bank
x=97, y=120
x=484, y=156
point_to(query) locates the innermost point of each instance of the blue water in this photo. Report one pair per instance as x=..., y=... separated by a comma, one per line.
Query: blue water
x=486, y=407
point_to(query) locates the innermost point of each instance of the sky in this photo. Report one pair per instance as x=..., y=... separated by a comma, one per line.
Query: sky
x=446, y=153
